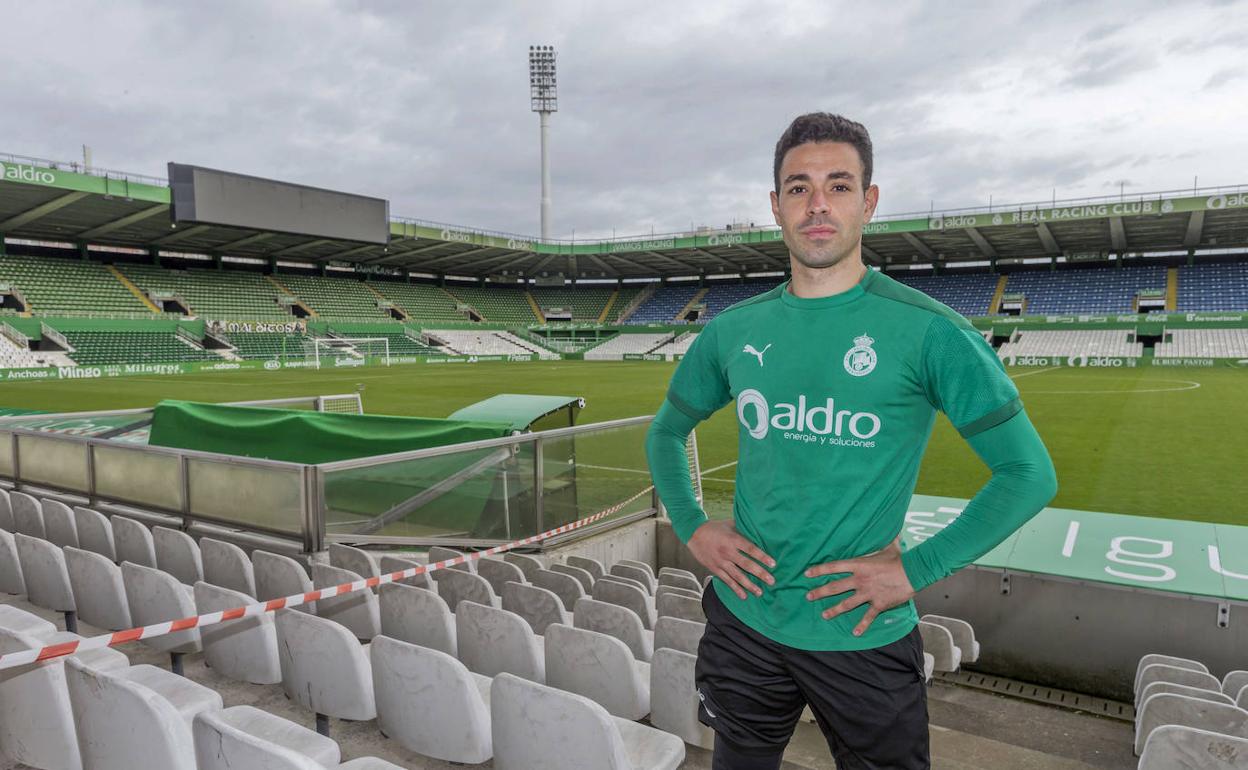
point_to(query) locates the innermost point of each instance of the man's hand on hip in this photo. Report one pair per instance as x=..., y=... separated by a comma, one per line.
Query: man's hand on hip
x=721, y=549
x=877, y=579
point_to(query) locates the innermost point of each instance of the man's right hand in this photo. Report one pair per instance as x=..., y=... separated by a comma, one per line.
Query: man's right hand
x=721, y=549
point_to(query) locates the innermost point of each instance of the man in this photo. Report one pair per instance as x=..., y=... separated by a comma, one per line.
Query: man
x=837, y=376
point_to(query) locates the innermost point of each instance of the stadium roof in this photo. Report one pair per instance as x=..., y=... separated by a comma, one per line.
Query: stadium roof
x=45, y=200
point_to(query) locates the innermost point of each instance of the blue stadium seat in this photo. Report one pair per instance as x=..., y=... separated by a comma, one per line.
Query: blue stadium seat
x=1214, y=287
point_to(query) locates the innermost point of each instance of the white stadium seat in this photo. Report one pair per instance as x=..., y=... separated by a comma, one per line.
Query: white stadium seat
x=226, y=565
x=358, y=611
x=418, y=616
x=535, y=726
x=493, y=641
x=405, y=676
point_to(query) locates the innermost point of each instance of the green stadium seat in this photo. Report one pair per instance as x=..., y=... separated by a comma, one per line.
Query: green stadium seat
x=211, y=293
x=70, y=286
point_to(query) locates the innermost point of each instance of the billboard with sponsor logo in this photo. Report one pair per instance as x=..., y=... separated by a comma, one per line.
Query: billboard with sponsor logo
x=200, y=367
x=256, y=327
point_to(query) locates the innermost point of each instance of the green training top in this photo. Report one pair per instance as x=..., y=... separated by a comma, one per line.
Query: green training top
x=836, y=398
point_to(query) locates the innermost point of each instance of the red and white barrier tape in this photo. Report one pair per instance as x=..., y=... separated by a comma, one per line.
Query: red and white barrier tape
x=25, y=657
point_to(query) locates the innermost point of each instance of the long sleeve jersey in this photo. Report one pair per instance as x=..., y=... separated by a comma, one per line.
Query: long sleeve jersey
x=835, y=401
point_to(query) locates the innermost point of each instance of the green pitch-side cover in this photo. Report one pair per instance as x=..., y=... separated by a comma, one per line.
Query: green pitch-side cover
x=305, y=437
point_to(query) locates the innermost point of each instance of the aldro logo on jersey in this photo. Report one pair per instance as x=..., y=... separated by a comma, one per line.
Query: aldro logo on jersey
x=860, y=360
x=823, y=424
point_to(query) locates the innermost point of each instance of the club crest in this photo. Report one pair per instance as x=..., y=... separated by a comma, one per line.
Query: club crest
x=860, y=360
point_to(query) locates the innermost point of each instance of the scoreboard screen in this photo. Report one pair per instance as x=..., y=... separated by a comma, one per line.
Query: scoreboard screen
x=207, y=196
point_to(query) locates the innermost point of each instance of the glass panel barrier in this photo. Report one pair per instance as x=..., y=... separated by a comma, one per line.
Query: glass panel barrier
x=489, y=494
x=248, y=494
x=6, y=454
x=138, y=476
x=585, y=473
x=479, y=494
x=57, y=462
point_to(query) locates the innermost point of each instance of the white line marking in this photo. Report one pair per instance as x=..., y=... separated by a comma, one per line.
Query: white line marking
x=1190, y=385
x=1028, y=374
x=719, y=467
x=613, y=468
x=1072, y=532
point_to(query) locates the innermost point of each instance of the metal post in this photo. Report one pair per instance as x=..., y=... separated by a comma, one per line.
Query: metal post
x=506, y=505
x=184, y=473
x=17, y=465
x=91, y=496
x=546, y=199
x=544, y=100
x=313, y=514
x=539, y=476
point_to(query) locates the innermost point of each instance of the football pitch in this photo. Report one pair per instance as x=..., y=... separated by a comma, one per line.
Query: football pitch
x=1170, y=443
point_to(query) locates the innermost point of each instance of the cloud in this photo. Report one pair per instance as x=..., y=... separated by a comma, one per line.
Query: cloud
x=669, y=113
x=1223, y=76
x=1101, y=66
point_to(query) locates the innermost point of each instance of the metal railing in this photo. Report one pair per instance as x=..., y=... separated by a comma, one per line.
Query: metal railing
x=531, y=482
x=79, y=168
x=535, y=482
x=19, y=339
x=264, y=496
x=117, y=316
x=52, y=334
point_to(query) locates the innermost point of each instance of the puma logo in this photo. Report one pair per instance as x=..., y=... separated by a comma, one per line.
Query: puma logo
x=755, y=352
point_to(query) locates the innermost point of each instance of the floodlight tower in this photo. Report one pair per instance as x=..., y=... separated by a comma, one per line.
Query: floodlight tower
x=544, y=99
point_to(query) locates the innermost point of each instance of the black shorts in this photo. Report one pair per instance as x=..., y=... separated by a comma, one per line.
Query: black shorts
x=870, y=704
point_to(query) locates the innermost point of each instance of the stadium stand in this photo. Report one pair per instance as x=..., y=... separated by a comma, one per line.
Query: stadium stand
x=678, y=346
x=969, y=294
x=400, y=343
x=1204, y=343
x=625, y=296
x=100, y=347
x=724, y=295
x=261, y=345
x=1095, y=290
x=1183, y=712
x=505, y=304
x=421, y=301
x=68, y=286
x=664, y=304
x=584, y=668
x=486, y=343
x=12, y=356
x=1087, y=342
x=213, y=293
x=1213, y=287
x=344, y=298
x=586, y=303
x=614, y=348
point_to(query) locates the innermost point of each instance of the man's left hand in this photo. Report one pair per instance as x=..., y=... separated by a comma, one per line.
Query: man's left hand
x=878, y=580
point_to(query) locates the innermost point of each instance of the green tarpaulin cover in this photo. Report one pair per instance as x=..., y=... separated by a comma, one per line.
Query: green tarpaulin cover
x=518, y=410
x=305, y=437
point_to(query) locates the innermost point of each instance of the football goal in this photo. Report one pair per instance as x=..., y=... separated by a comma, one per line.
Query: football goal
x=335, y=352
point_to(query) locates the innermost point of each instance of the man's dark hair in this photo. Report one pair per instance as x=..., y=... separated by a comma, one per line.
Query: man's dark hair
x=825, y=127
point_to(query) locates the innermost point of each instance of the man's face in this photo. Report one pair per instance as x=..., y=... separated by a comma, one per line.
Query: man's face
x=821, y=206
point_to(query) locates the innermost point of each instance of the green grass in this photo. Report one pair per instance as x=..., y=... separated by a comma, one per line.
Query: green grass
x=1139, y=441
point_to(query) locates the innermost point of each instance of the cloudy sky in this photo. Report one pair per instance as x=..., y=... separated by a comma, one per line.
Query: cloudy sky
x=669, y=112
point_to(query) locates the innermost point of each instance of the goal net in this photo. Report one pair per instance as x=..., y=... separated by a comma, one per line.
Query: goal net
x=338, y=352
x=349, y=403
